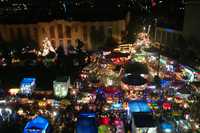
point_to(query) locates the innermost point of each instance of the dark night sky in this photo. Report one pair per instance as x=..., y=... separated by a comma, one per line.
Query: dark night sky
x=30, y=11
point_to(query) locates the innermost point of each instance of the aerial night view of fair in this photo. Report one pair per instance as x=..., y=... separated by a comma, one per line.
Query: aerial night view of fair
x=99, y=66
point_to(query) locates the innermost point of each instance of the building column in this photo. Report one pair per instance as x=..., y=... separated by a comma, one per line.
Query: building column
x=56, y=35
x=161, y=36
x=171, y=38
x=155, y=34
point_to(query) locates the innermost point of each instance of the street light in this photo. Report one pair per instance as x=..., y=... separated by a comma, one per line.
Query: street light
x=144, y=28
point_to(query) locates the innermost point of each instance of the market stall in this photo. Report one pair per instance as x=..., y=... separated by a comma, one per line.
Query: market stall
x=37, y=124
x=27, y=85
x=61, y=87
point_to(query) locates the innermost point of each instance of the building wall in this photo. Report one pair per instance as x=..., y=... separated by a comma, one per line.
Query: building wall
x=192, y=20
x=62, y=32
x=165, y=36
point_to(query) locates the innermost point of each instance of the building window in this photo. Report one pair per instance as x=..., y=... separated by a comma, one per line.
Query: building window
x=102, y=28
x=69, y=42
x=19, y=33
x=61, y=43
x=101, y=34
x=1, y=38
x=60, y=31
x=53, y=43
x=28, y=33
x=43, y=31
x=173, y=36
x=110, y=32
x=165, y=37
x=76, y=28
x=85, y=35
x=77, y=41
x=68, y=31
x=158, y=35
x=93, y=28
x=12, y=34
x=35, y=31
x=52, y=32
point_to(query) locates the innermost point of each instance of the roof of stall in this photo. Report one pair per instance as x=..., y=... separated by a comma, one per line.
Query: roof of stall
x=136, y=68
x=136, y=106
x=86, y=123
x=142, y=120
x=135, y=80
x=166, y=126
x=38, y=122
x=117, y=55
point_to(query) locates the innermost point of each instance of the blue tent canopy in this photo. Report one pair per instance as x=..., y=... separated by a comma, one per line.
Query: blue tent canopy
x=28, y=80
x=138, y=106
x=165, y=83
x=86, y=123
x=99, y=91
x=27, y=85
x=37, y=125
x=116, y=106
x=87, y=114
x=167, y=127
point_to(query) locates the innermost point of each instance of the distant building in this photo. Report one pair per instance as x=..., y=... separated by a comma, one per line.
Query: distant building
x=165, y=35
x=61, y=32
x=192, y=20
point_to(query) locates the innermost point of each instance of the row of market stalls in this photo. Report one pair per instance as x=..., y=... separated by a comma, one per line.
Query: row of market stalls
x=130, y=71
x=28, y=87
x=122, y=81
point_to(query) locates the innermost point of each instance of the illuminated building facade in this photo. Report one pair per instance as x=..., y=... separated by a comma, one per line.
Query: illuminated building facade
x=61, y=32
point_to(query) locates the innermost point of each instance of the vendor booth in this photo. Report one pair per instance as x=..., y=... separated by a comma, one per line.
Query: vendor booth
x=167, y=127
x=137, y=106
x=27, y=85
x=61, y=87
x=37, y=125
x=86, y=123
x=143, y=123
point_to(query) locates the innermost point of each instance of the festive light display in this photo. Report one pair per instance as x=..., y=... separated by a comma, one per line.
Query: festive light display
x=47, y=47
x=27, y=85
x=61, y=88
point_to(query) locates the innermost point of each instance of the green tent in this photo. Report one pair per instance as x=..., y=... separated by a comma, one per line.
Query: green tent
x=104, y=129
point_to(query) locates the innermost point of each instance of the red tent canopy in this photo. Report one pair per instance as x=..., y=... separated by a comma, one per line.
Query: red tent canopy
x=111, y=90
x=105, y=121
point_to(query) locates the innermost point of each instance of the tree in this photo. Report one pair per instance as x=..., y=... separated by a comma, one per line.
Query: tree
x=93, y=36
x=101, y=35
x=80, y=44
x=19, y=45
x=97, y=37
x=136, y=68
x=110, y=43
x=195, y=113
x=32, y=44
